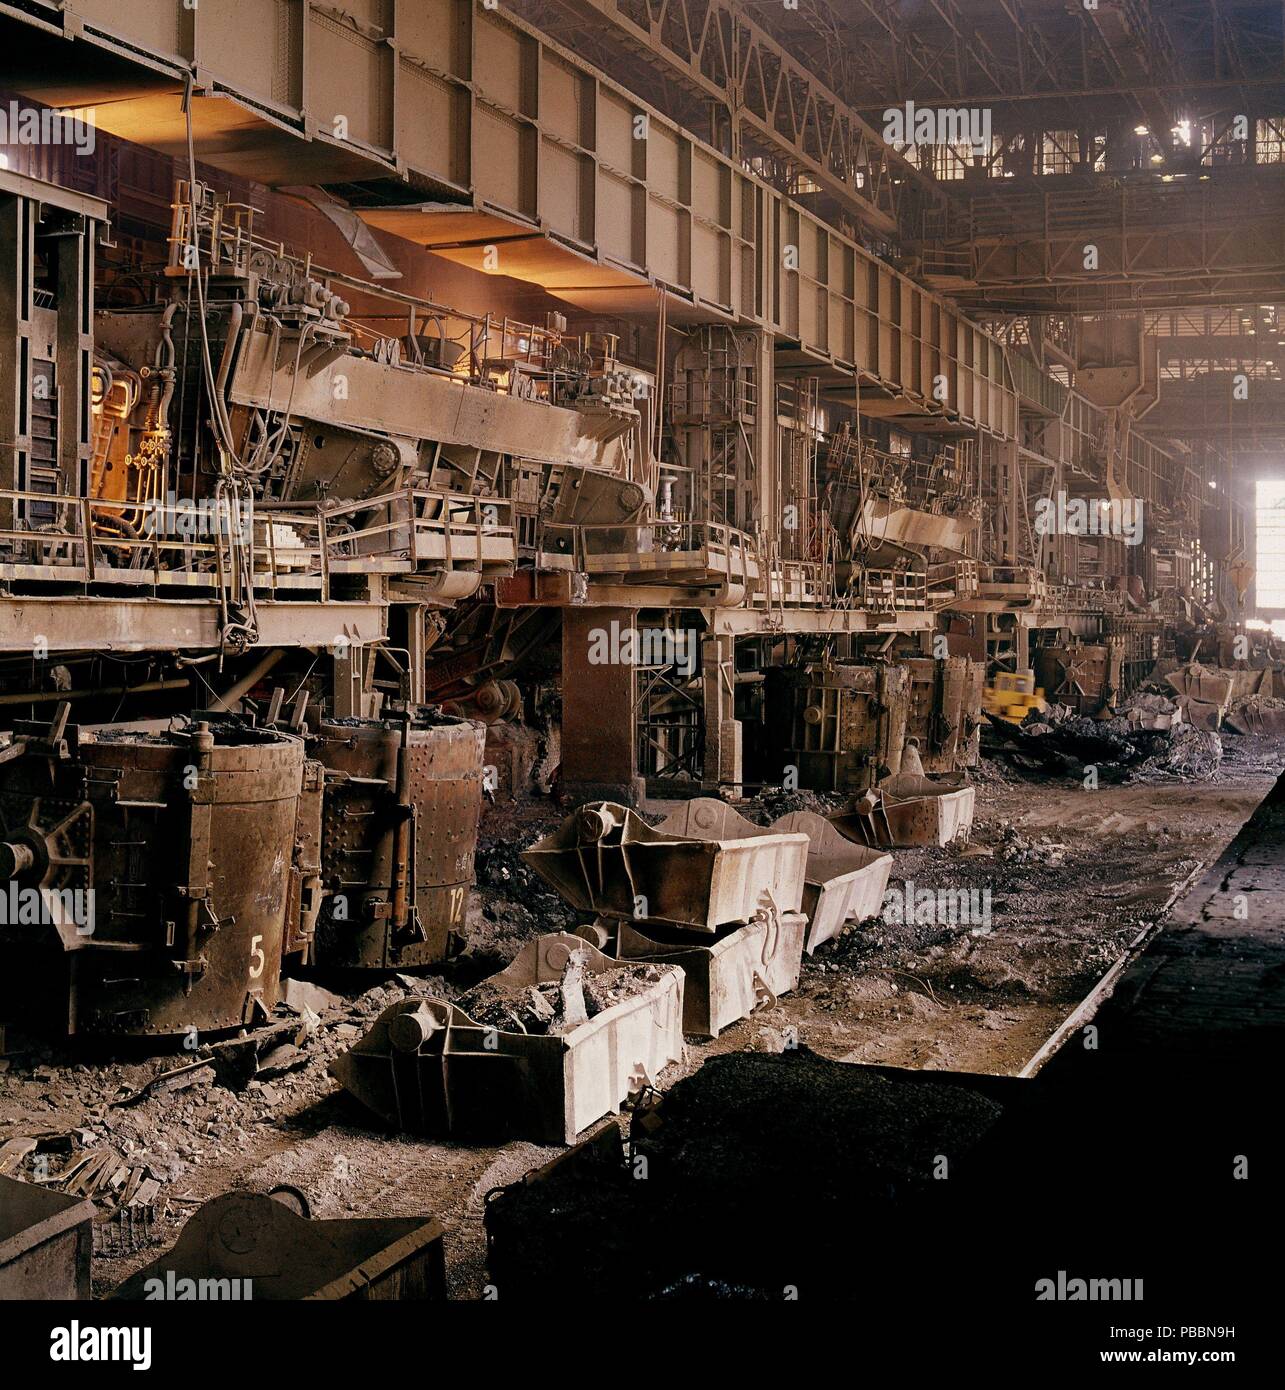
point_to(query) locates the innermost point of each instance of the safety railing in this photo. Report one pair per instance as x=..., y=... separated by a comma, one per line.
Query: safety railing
x=416, y=530
x=950, y=582
x=893, y=591
x=794, y=584
x=653, y=551
x=1083, y=598
x=175, y=542
x=1016, y=584
x=59, y=539
x=687, y=553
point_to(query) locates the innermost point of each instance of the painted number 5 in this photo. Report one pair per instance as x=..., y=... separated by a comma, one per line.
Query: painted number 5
x=257, y=959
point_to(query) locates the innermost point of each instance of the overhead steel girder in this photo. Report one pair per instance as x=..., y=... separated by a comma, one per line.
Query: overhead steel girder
x=472, y=135
x=1237, y=333
x=1056, y=54
x=716, y=50
x=1139, y=49
x=1209, y=410
x=115, y=624
x=1124, y=246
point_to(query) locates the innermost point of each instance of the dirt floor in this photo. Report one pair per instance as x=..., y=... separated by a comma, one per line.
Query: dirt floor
x=1073, y=875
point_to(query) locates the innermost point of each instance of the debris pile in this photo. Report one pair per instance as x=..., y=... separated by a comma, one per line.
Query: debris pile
x=1257, y=715
x=1146, y=740
x=516, y=903
x=555, y=1006
x=132, y=1137
x=1016, y=848
x=774, y=802
x=500, y=867
x=1152, y=708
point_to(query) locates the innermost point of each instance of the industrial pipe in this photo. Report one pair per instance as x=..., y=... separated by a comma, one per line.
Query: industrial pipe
x=43, y=696
x=401, y=834
x=251, y=678
x=15, y=859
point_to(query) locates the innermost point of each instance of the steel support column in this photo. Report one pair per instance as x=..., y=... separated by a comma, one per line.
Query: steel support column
x=599, y=703
x=722, y=766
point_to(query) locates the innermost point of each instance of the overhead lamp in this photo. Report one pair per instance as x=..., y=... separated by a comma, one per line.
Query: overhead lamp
x=1141, y=130
x=1157, y=159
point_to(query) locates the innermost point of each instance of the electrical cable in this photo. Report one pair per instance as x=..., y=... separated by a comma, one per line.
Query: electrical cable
x=245, y=631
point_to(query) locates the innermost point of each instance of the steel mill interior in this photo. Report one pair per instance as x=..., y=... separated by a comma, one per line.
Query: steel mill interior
x=642, y=659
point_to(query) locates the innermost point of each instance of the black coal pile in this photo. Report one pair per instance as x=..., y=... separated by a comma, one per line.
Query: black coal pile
x=516, y=902
x=500, y=868
x=1142, y=742
x=762, y=1173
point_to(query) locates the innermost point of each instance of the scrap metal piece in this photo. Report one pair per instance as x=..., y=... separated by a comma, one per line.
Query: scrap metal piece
x=605, y=859
x=46, y=1240
x=14, y=1151
x=249, y=1245
x=428, y=1068
x=174, y=1079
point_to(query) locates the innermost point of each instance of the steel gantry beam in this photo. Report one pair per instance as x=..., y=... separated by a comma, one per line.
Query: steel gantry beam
x=777, y=108
x=1120, y=245
x=1241, y=416
x=1060, y=55
x=954, y=54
